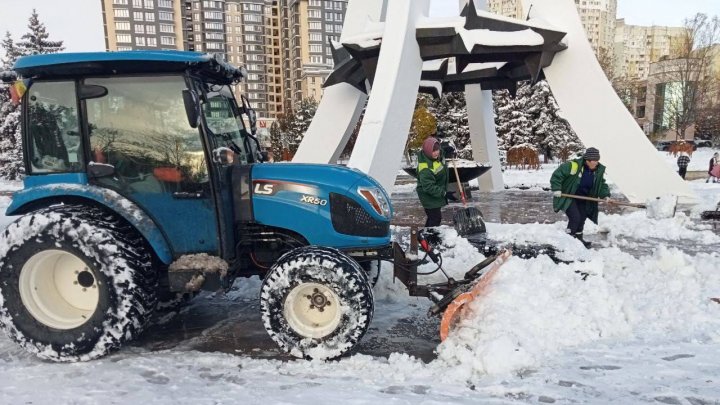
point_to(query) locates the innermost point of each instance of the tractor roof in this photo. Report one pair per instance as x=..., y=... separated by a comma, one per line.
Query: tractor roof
x=126, y=62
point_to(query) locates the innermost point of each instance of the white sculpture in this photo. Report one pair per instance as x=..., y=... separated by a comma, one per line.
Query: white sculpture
x=382, y=50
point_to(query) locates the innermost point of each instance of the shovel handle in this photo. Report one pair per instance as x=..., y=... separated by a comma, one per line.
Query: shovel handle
x=457, y=178
x=582, y=197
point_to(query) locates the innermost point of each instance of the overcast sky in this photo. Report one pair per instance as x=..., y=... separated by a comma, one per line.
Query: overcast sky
x=79, y=22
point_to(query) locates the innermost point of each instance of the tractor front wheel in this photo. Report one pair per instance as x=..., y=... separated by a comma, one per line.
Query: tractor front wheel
x=76, y=282
x=316, y=303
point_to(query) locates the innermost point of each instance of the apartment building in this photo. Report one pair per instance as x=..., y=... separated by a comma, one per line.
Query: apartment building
x=253, y=40
x=508, y=8
x=204, y=28
x=142, y=24
x=598, y=18
x=637, y=47
x=308, y=26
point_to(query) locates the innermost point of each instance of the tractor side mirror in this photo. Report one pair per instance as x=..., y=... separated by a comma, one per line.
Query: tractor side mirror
x=88, y=91
x=96, y=170
x=192, y=107
x=252, y=115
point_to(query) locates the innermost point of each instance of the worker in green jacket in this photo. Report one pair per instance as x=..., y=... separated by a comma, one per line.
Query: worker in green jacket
x=432, y=175
x=583, y=177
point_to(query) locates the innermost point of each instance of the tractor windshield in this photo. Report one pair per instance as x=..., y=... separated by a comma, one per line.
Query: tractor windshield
x=225, y=123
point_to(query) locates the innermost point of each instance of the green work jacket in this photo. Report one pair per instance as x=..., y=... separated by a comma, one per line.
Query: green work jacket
x=566, y=178
x=432, y=181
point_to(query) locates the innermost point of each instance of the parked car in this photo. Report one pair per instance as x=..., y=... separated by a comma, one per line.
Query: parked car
x=703, y=143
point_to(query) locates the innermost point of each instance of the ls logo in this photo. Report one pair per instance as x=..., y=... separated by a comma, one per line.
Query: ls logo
x=264, y=188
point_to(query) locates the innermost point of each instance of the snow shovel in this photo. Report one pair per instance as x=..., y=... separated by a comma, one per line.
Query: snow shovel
x=452, y=313
x=656, y=209
x=469, y=220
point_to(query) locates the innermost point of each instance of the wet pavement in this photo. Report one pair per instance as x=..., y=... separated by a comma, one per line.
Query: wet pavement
x=231, y=322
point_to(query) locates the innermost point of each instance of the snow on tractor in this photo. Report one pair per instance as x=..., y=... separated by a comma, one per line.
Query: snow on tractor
x=144, y=180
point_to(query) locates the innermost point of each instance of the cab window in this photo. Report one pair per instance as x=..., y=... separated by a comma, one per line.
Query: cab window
x=53, y=132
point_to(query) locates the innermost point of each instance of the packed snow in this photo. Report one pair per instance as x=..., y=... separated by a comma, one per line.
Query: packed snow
x=641, y=327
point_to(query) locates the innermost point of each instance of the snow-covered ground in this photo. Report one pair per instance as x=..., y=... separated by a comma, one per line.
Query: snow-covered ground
x=641, y=328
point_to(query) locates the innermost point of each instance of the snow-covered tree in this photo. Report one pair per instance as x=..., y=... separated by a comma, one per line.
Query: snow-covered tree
x=423, y=125
x=11, y=167
x=452, y=122
x=36, y=41
x=293, y=126
x=533, y=118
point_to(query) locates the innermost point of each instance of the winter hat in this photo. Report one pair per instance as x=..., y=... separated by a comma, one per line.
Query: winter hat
x=429, y=146
x=592, y=154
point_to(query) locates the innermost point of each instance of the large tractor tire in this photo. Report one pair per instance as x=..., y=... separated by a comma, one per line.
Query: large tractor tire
x=76, y=283
x=316, y=303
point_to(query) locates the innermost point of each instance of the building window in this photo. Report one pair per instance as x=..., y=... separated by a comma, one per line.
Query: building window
x=212, y=15
x=215, y=35
x=314, y=14
x=137, y=3
x=120, y=2
x=328, y=4
x=252, y=7
x=123, y=38
x=215, y=45
x=213, y=26
x=124, y=48
x=338, y=5
x=122, y=13
x=315, y=25
x=316, y=59
x=338, y=16
x=328, y=16
x=150, y=4
x=150, y=17
x=315, y=3
x=167, y=28
x=138, y=15
x=251, y=37
x=122, y=25
x=150, y=29
x=152, y=42
x=167, y=40
x=166, y=15
x=165, y=3
x=316, y=48
x=338, y=28
x=316, y=36
x=140, y=41
x=139, y=29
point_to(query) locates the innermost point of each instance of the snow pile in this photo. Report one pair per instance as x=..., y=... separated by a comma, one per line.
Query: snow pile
x=534, y=308
x=661, y=207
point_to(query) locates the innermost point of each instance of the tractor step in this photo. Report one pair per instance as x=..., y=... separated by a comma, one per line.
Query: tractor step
x=197, y=272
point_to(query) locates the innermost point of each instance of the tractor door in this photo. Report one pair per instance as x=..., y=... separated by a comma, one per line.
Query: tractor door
x=140, y=127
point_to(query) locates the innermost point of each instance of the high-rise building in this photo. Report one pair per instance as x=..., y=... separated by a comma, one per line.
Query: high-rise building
x=508, y=8
x=598, y=18
x=204, y=29
x=142, y=24
x=636, y=47
x=252, y=29
x=308, y=27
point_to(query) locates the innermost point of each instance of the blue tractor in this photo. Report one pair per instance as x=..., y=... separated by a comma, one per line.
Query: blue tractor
x=144, y=179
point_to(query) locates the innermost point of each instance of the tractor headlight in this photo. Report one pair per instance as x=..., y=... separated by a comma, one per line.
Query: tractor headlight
x=377, y=200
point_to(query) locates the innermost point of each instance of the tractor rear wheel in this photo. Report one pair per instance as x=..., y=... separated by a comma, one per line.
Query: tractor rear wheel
x=76, y=283
x=316, y=302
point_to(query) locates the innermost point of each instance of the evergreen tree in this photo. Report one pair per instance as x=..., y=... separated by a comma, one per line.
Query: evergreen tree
x=35, y=41
x=300, y=121
x=452, y=122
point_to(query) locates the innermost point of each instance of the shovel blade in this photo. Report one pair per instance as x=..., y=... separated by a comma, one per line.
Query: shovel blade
x=469, y=221
x=454, y=312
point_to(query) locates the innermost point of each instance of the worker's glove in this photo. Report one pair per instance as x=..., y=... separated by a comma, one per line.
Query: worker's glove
x=450, y=196
x=557, y=193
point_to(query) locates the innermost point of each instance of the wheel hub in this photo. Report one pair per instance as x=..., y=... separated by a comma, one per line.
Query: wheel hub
x=318, y=301
x=312, y=310
x=58, y=289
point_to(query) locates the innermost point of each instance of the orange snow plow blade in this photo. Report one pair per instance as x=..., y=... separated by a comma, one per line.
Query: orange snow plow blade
x=453, y=311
